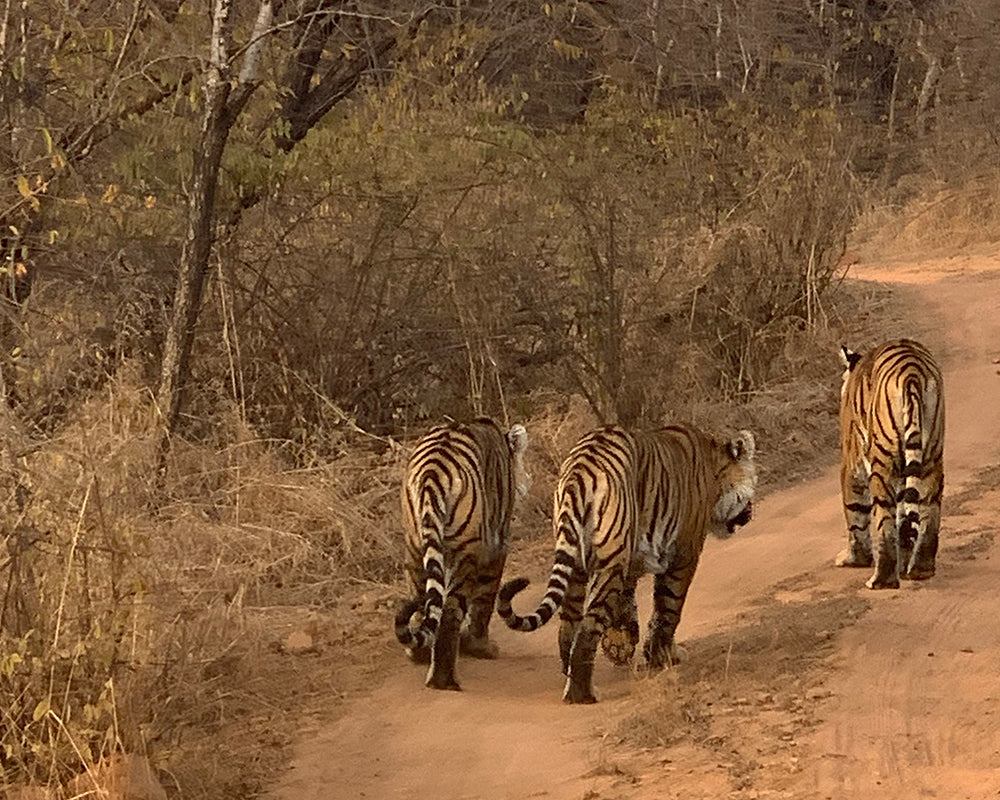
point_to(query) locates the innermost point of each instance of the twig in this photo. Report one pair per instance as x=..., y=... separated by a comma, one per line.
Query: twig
x=69, y=564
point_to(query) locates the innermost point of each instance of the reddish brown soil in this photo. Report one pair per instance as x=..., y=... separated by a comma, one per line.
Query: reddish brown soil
x=800, y=683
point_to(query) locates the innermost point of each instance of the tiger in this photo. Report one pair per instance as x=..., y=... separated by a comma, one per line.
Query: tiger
x=628, y=503
x=458, y=495
x=892, y=468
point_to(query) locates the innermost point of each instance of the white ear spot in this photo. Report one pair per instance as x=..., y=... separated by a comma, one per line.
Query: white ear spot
x=848, y=358
x=517, y=439
x=743, y=446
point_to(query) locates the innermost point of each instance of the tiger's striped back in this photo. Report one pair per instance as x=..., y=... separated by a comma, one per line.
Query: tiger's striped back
x=892, y=468
x=458, y=495
x=599, y=472
x=625, y=504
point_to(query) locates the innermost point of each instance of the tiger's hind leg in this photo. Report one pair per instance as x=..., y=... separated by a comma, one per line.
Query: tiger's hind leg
x=885, y=535
x=603, y=595
x=444, y=652
x=857, y=512
x=621, y=637
x=570, y=616
x=580, y=678
x=475, y=639
x=921, y=563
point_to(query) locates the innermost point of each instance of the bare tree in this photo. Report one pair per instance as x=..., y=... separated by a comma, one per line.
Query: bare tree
x=314, y=85
x=227, y=91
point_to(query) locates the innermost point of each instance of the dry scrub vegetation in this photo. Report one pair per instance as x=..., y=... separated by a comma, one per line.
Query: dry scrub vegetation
x=153, y=619
x=558, y=213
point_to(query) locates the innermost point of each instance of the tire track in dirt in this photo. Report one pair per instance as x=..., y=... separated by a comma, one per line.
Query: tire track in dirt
x=916, y=683
x=916, y=694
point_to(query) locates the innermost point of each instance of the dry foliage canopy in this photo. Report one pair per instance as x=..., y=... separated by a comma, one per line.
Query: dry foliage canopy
x=561, y=213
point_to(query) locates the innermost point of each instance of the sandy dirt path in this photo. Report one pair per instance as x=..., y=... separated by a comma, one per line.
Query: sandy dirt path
x=909, y=704
x=915, y=707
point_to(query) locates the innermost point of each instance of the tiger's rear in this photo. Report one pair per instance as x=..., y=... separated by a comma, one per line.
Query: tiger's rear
x=627, y=504
x=892, y=468
x=458, y=495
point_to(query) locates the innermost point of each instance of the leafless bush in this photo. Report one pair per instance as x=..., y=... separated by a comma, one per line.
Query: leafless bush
x=455, y=262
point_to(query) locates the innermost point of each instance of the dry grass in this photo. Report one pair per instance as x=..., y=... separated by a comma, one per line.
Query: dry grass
x=663, y=714
x=939, y=218
x=761, y=673
x=136, y=626
x=152, y=620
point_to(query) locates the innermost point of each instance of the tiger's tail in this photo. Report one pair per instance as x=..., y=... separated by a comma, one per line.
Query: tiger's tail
x=555, y=591
x=423, y=636
x=912, y=461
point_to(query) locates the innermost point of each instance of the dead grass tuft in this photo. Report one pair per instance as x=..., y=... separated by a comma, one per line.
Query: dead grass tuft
x=134, y=627
x=663, y=713
x=761, y=671
x=931, y=218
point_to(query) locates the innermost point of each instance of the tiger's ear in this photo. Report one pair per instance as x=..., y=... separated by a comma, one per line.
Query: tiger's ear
x=849, y=358
x=517, y=439
x=742, y=447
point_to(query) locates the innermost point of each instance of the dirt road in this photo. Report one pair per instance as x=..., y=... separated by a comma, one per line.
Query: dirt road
x=801, y=683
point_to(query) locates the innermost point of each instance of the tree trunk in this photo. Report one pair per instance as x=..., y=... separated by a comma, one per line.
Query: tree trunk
x=194, y=264
x=225, y=98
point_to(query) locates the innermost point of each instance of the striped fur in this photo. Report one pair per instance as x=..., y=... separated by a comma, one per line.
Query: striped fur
x=461, y=483
x=627, y=504
x=892, y=468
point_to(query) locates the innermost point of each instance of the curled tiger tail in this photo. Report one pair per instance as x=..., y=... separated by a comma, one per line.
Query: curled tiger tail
x=555, y=591
x=434, y=594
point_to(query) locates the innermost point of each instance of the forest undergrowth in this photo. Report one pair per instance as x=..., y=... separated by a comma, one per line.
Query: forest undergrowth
x=174, y=626
x=250, y=252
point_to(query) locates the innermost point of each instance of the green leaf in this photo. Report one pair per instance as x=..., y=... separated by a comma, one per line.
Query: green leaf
x=8, y=664
x=41, y=709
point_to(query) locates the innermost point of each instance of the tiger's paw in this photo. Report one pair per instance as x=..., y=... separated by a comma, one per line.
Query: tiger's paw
x=478, y=647
x=662, y=657
x=443, y=681
x=678, y=654
x=575, y=694
x=851, y=558
x=917, y=574
x=619, y=646
x=920, y=568
x=874, y=582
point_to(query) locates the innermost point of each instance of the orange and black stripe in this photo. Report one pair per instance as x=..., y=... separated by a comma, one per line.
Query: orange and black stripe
x=892, y=467
x=627, y=503
x=458, y=495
